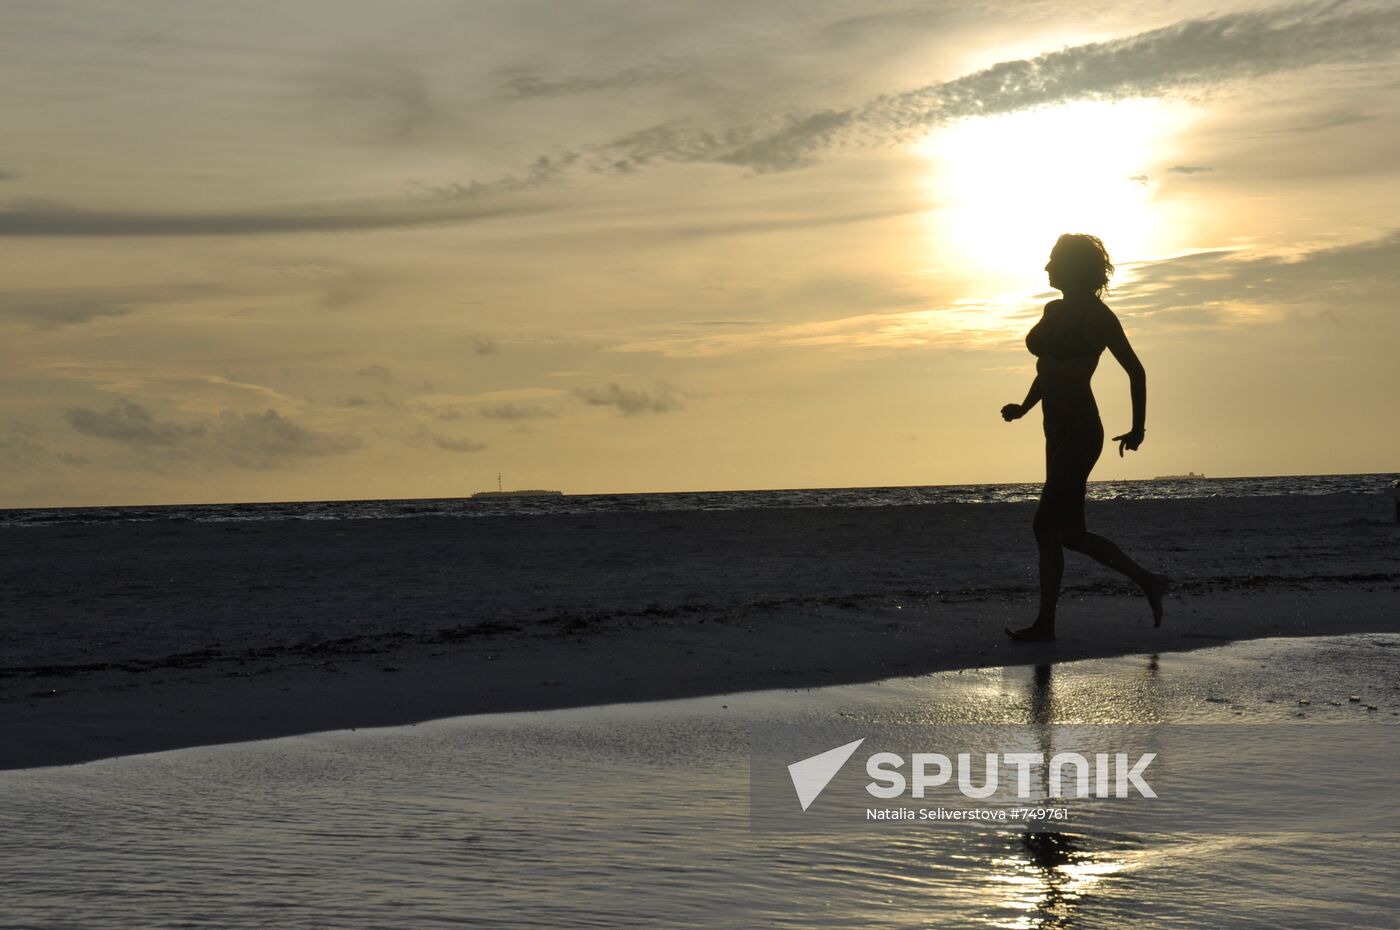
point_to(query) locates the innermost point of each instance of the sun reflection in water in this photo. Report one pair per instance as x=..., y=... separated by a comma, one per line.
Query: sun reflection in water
x=1045, y=888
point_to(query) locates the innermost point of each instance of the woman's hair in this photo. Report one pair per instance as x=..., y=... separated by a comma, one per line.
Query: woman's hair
x=1081, y=261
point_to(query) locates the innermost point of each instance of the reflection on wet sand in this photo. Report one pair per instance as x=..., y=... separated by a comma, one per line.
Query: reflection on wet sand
x=1057, y=870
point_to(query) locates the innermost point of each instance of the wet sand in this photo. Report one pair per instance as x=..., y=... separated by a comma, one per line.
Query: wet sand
x=640, y=815
x=131, y=638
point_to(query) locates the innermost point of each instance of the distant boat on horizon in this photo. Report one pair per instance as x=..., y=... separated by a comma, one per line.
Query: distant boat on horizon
x=1189, y=476
x=524, y=492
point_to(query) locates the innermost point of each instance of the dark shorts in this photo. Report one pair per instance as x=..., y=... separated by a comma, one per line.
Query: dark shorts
x=1071, y=449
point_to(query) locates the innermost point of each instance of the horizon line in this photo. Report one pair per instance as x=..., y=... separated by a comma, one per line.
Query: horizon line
x=857, y=487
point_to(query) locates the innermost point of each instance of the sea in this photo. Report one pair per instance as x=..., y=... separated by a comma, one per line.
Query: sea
x=1155, y=489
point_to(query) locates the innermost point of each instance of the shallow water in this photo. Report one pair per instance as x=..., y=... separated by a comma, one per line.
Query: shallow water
x=637, y=815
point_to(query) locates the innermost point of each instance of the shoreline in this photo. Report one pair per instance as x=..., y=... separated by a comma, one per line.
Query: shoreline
x=142, y=638
x=109, y=716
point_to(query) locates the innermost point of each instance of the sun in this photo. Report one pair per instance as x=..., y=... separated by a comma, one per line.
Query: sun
x=1005, y=187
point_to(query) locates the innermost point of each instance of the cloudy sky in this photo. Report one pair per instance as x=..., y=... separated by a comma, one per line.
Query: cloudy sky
x=348, y=249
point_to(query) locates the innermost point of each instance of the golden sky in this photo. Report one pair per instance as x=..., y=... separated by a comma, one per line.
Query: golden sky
x=322, y=250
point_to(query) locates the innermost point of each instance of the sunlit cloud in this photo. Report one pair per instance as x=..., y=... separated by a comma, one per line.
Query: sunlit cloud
x=1353, y=285
x=1194, y=52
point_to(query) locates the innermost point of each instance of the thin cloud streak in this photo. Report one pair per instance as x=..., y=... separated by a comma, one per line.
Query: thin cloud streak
x=389, y=93
x=633, y=402
x=514, y=411
x=253, y=441
x=427, y=437
x=534, y=87
x=63, y=306
x=54, y=219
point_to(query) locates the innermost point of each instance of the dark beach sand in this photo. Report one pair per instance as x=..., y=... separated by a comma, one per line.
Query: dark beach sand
x=120, y=639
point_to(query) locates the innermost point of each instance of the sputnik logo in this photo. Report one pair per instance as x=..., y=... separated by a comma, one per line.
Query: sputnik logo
x=811, y=775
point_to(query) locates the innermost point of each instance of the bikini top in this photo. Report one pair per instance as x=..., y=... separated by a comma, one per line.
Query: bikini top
x=1064, y=342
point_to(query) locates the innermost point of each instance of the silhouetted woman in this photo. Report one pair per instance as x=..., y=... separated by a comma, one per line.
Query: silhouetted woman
x=1067, y=342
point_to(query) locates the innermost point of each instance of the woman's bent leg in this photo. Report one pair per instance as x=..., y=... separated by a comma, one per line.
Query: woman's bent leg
x=1106, y=552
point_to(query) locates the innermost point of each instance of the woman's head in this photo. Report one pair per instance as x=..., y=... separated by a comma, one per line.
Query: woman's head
x=1079, y=262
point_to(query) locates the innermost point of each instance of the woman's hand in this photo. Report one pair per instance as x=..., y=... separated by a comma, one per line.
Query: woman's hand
x=1129, y=440
x=1012, y=412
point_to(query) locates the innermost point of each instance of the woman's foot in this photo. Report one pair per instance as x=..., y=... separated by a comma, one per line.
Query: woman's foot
x=1155, y=591
x=1035, y=633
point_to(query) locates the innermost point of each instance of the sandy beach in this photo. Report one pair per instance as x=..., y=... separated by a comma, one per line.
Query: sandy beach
x=130, y=638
